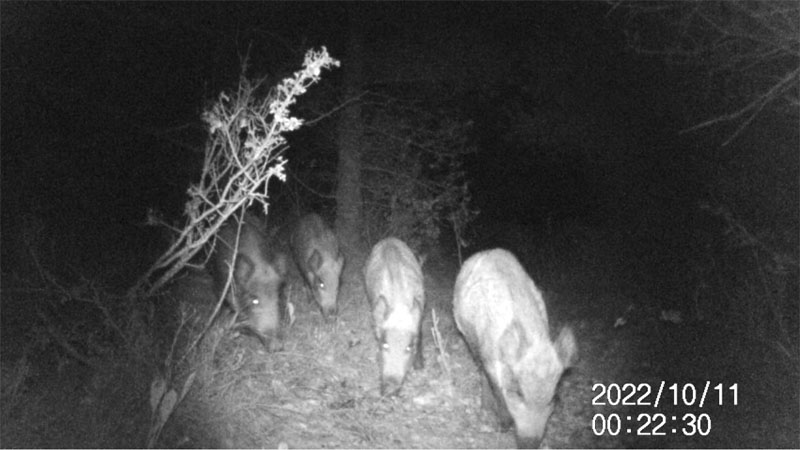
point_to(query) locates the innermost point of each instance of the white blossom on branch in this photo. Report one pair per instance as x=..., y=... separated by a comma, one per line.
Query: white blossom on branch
x=244, y=151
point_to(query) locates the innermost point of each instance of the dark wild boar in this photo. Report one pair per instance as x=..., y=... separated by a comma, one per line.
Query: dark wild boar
x=255, y=291
x=502, y=316
x=394, y=284
x=316, y=251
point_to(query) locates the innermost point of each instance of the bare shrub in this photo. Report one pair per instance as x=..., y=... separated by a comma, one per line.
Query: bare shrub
x=414, y=183
x=85, y=335
x=243, y=153
x=754, y=46
x=757, y=274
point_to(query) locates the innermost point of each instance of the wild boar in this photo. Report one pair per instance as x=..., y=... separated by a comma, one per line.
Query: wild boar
x=502, y=316
x=258, y=276
x=316, y=251
x=394, y=284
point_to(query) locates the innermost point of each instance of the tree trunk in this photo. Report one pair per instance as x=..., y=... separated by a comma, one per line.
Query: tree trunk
x=350, y=132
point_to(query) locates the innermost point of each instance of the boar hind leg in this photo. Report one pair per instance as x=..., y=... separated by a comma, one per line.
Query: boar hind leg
x=491, y=401
x=419, y=358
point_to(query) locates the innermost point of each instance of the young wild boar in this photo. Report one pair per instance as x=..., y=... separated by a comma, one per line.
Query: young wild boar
x=502, y=316
x=394, y=284
x=316, y=251
x=255, y=290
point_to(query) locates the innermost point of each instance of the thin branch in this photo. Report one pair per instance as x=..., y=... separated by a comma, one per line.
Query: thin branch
x=336, y=109
x=757, y=105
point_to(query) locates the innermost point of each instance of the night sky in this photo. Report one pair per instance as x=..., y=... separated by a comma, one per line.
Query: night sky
x=101, y=106
x=101, y=102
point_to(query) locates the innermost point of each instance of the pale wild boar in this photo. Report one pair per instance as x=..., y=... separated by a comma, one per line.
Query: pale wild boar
x=316, y=251
x=394, y=284
x=255, y=290
x=502, y=315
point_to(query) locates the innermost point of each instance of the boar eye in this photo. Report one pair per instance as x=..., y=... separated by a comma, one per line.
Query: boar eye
x=254, y=301
x=385, y=346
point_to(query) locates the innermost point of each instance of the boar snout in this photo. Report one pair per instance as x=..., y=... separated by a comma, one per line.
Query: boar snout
x=330, y=313
x=528, y=442
x=390, y=386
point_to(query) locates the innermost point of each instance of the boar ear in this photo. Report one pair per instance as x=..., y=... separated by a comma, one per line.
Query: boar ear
x=512, y=343
x=243, y=269
x=421, y=259
x=280, y=264
x=566, y=348
x=315, y=260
